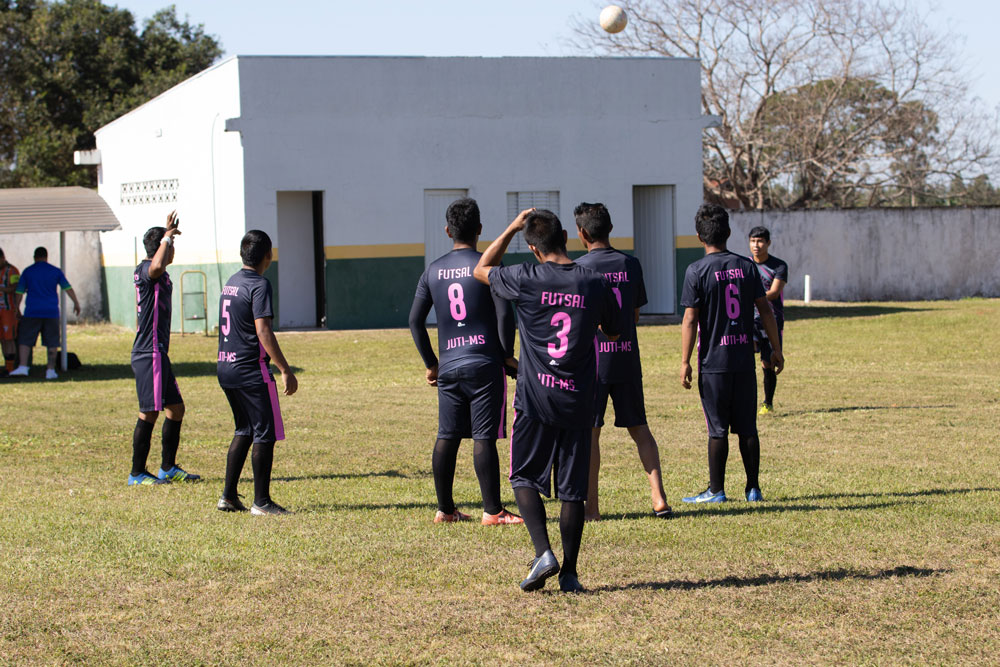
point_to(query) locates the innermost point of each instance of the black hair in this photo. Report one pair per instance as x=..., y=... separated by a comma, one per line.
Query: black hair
x=712, y=223
x=254, y=247
x=1, y=253
x=151, y=239
x=543, y=230
x=41, y=253
x=463, y=219
x=593, y=219
x=760, y=232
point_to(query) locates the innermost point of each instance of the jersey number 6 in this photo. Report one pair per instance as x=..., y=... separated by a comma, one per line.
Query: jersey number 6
x=732, y=301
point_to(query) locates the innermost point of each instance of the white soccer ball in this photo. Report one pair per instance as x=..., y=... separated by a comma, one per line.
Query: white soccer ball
x=613, y=19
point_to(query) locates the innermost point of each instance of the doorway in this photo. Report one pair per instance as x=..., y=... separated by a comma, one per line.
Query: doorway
x=301, y=260
x=653, y=224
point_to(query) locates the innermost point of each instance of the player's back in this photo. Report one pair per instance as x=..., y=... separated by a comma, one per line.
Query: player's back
x=152, y=309
x=723, y=287
x=619, y=359
x=559, y=308
x=465, y=310
x=245, y=298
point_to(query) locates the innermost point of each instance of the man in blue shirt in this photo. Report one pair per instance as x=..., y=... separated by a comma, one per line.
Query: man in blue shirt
x=40, y=282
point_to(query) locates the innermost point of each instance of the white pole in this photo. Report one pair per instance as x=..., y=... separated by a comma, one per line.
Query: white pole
x=808, y=290
x=62, y=297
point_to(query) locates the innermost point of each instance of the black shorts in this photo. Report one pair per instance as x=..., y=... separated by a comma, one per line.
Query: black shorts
x=730, y=402
x=155, y=384
x=256, y=411
x=472, y=403
x=538, y=450
x=630, y=406
x=763, y=344
x=27, y=331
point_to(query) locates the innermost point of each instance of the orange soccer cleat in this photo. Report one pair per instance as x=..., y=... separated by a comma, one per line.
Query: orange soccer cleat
x=501, y=519
x=441, y=517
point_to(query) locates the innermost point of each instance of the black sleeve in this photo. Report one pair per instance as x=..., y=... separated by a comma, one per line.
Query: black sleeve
x=422, y=305
x=505, y=325
x=611, y=314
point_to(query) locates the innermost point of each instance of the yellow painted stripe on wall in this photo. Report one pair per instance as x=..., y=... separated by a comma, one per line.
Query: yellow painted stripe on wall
x=374, y=251
x=687, y=242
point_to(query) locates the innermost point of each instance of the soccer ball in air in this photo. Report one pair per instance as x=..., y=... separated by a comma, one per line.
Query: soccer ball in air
x=613, y=19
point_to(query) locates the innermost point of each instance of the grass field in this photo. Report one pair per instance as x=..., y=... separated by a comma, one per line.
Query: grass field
x=878, y=543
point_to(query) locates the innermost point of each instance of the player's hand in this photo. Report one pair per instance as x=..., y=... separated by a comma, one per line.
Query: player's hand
x=777, y=361
x=76, y=308
x=510, y=367
x=290, y=381
x=518, y=223
x=173, y=220
x=686, y=375
x=432, y=376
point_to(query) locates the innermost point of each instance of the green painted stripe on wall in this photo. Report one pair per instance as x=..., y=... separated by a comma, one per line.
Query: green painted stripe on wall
x=120, y=292
x=683, y=258
x=371, y=293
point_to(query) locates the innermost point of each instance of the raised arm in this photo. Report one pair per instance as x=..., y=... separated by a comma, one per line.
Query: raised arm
x=265, y=334
x=491, y=258
x=163, y=255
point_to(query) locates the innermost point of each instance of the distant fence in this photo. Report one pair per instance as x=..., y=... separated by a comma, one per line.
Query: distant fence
x=883, y=254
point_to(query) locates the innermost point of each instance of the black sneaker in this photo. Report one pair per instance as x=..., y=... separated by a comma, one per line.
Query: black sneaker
x=268, y=508
x=568, y=583
x=542, y=568
x=227, y=505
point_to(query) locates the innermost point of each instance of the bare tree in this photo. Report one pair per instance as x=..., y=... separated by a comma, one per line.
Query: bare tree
x=821, y=102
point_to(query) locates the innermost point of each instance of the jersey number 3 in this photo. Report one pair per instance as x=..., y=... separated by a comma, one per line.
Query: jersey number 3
x=563, y=320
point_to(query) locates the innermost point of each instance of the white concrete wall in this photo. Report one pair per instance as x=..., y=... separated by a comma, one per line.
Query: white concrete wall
x=883, y=254
x=374, y=133
x=83, y=265
x=179, y=135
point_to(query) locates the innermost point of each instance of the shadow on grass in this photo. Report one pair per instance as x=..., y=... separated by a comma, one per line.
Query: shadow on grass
x=123, y=371
x=768, y=579
x=731, y=509
x=862, y=408
x=819, y=312
x=895, y=494
x=341, y=475
x=347, y=507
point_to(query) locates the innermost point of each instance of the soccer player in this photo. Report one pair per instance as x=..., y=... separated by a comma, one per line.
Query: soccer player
x=774, y=274
x=246, y=348
x=720, y=291
x=559, y=307
x=40, y=282
x=619, y=370
x=155, y=384
x=476, y=342
x=10, y=302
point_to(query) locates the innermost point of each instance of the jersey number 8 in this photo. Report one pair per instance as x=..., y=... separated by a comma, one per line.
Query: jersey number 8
x=456, y=299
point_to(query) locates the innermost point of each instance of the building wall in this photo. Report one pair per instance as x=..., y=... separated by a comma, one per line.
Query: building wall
x=83, y=265
x=883, y=254
x=173, y=153
x=374, y=133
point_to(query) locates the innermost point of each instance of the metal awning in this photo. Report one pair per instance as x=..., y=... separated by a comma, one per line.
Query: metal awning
x=70, y=209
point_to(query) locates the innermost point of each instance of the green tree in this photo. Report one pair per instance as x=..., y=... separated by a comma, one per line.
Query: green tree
x=70, y=67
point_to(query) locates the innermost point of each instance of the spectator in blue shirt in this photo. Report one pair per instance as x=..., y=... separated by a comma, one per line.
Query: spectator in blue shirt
x=40, y=282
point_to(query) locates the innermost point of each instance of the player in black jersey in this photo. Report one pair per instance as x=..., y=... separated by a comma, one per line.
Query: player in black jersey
x=719, y=295
x=774, y=274
x=154, y=378
x=560, y=305
x=246, y=348
x=619, y=368
x=475, y=337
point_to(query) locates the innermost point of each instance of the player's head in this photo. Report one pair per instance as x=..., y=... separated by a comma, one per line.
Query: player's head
x=712, y=224
x=41, y=254
x=463, y=220
x=255, y=250
x=760, y=241
x=593, y=219
x=544, y=233
x=151, y=240
x=3, y=258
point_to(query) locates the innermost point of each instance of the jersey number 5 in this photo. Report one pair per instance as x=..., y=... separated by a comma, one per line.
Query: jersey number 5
x=563, y=320
x=732, y=301
x=224, y=328
x=456, y=298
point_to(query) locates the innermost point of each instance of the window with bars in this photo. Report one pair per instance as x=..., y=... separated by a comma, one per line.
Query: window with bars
x=518, y=201
x=159, y=191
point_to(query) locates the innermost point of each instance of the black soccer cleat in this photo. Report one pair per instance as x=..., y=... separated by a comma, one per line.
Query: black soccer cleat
x=568, y=583
x=542, y=568
x=227, y=505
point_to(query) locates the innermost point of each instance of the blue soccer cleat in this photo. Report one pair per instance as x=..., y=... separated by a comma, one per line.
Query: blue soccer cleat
x=707, y=496
x=177, y=474
x=754, y=496
x=145, y=479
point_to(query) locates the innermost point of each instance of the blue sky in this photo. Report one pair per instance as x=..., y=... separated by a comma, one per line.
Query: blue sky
x=475, y=28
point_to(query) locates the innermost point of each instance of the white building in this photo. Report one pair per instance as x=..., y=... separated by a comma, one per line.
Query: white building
x=348, y=163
